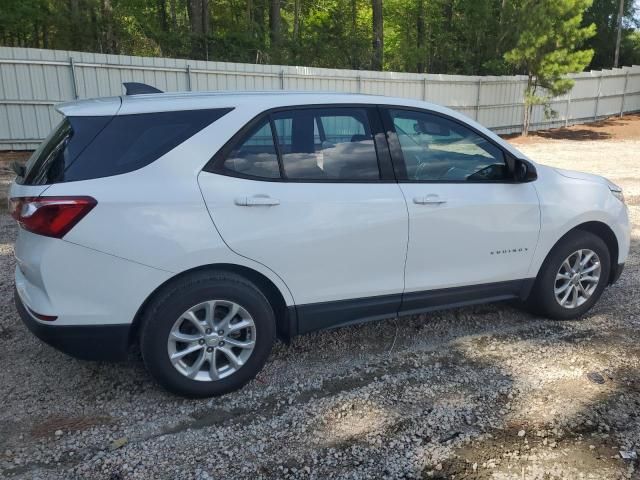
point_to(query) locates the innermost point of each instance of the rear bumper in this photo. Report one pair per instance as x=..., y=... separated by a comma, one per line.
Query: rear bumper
x=87, y=342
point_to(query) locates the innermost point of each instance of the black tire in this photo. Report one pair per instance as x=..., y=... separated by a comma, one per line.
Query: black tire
x=179, y=296
x=542, y=299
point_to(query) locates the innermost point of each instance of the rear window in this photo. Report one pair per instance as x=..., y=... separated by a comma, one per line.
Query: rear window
x=83, y=148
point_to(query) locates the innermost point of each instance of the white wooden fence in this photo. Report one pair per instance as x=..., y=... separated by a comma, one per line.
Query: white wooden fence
x=32, y=81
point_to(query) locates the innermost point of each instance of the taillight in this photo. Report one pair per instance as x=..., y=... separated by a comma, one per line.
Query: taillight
x=50, y=216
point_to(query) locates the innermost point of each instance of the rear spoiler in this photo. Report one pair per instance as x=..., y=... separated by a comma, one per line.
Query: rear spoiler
x=103, y=105
x=135, y=88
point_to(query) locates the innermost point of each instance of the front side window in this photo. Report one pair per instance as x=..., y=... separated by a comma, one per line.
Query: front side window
x=438, y=149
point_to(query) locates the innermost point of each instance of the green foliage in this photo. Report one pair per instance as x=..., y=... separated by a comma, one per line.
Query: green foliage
x=437, y=36
x=604, y=15
x=550, y=33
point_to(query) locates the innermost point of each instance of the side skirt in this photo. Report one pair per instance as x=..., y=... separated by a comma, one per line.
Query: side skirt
x=324, y=315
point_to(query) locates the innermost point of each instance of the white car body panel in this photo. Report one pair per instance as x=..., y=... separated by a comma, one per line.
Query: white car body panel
x=324, y=242
x=468, y=241
x=567, y=202
x=79, y=285
x=327, y=241
x=156, y=216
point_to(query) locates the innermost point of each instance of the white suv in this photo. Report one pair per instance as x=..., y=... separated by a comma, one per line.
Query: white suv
x=202, y=226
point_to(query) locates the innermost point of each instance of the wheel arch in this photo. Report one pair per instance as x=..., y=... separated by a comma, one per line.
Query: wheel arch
x=601, y=230
x=286, y=319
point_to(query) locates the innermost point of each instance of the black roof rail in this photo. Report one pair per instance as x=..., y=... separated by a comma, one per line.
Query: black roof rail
x=135, y=88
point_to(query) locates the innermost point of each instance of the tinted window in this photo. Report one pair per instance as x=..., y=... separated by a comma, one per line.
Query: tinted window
x=82, y=148
x=255, y=155
x=437, y=149
x=63, y=145
x=130, y=142
x=326, y=144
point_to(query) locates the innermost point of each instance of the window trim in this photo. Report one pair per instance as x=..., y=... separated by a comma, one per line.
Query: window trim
x=398, y=157
x=381, y=146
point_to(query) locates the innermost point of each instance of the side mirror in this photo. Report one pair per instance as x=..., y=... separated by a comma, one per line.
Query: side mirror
x=524, y=171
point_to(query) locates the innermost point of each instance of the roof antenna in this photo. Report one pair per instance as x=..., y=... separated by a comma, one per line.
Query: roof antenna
x=135, y=88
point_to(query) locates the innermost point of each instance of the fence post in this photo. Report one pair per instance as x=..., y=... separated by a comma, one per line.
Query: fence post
x=282, y=79
x=188, y=77
x=595, y=113
x=359, y=83
x=478, y=99
x=74, y=83
x=566, y=115
x=424, y=89
x=624, y=92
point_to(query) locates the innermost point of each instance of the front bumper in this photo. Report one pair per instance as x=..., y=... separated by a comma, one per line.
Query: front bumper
x=87, y=342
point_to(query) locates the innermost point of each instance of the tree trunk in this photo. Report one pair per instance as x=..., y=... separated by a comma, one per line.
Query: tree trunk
x=162, y=15
x=74, y=25
x=420, y=36
x=174, y=17
x=274, y=30
x=296, y=20
x=250, y=16
x=198, y=11
x=205, y=27
x=378, y=35
x=528, y=105
x=618, y=34
x=355, y=60
x=109, y=37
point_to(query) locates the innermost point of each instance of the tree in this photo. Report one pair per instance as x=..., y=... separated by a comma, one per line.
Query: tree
x=378, y=35
x=604, y=14
x=274, y=31
x=547, y=49
x=199, y=23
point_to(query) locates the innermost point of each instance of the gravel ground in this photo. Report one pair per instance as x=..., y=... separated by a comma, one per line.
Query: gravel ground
x=474, y=393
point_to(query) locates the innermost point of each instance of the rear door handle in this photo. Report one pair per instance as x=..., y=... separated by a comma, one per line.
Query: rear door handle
x=429, y=200
x=257, y=201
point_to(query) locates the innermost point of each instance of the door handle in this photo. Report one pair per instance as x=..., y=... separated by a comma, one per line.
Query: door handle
x=257, y=201
x=429, y=200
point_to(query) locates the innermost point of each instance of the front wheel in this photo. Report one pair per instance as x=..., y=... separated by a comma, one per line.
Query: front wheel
x=207, y=334
x=572, y=277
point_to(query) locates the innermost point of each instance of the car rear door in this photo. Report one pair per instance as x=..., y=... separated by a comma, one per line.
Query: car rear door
x=310, y=193
x=473, y=230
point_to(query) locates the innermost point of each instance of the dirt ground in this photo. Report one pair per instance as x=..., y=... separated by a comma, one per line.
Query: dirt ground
x=486, y=392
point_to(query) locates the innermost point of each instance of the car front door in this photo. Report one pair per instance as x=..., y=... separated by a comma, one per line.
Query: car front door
x=310, y=193
x=470, y=225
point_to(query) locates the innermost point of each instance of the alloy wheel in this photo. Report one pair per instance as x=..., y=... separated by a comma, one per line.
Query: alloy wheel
x=211, y=340
x=577, y=278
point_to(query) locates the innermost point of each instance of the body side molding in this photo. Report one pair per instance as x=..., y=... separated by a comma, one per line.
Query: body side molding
x=339, y=313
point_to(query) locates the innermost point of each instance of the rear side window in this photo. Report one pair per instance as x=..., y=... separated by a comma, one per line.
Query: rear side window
x=83, y=148
x=326, y=144
x=330, y=144
x=255, y=155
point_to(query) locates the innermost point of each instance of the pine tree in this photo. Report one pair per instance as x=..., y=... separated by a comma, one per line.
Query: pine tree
x=550, y=33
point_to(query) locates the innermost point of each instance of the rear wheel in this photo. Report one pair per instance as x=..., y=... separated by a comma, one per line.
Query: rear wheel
x=207, y=334
x=572, y=277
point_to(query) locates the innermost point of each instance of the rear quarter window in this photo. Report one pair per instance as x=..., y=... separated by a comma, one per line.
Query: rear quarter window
x=84, y=148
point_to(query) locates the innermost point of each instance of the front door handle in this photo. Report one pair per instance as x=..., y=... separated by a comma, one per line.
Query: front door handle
x=257, y=201
x=429, y=200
